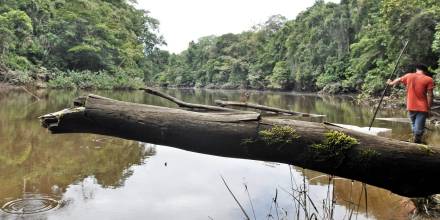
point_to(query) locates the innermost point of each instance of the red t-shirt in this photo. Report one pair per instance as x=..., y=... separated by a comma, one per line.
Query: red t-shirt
x=417, y=86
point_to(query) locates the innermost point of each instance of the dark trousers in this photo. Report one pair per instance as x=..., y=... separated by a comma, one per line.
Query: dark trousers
x=418, y=120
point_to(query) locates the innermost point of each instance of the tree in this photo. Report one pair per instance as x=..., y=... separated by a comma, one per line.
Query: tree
x=91, y=37
x=280, y=77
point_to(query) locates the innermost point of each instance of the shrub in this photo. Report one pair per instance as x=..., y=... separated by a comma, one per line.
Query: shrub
x=94, y=80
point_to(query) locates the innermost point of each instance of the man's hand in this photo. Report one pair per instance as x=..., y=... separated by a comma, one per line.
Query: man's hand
x=394, y=82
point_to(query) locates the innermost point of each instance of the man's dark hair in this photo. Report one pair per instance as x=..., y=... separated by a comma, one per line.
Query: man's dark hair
x=422, y=67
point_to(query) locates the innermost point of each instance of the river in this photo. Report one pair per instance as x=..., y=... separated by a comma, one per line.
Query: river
x=85, y=176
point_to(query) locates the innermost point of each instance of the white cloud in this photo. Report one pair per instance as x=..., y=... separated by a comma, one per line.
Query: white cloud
x=183, y=21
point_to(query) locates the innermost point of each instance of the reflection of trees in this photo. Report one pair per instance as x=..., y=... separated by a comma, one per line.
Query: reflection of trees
x=65, y=159
x=382, y=204
x=32, y=160
x=344, y=111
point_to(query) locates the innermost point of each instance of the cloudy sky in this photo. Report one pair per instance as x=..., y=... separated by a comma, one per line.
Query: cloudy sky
x=183, y=21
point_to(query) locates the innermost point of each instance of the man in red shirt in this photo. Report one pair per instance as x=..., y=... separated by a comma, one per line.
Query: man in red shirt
x=419, y=96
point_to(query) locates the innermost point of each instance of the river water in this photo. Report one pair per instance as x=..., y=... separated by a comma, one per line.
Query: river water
x=86, y=176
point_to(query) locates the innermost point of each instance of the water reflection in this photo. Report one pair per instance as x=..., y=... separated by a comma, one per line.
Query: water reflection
x=358, y=197
x=36, y=168
x=93, y=176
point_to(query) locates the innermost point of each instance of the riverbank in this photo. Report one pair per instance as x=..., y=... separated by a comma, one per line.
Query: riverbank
x=42, y=78
x=5, y=87
x=392, y=101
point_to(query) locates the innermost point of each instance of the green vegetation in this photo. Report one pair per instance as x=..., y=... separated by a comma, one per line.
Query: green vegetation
x=427, y=149
x=76, y=43
x=337, y=48
x=278, y=135
x=369, y=153
x=366, y=155
x=94, y=80
x=335, y=145
x=247, y=141
x=108, y=44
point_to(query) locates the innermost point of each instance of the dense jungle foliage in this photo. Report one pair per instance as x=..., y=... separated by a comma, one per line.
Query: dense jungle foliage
x=76, y=43
x=347, y=47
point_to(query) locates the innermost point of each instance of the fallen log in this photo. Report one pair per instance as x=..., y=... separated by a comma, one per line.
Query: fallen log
x=404, y=168
x=265, y=108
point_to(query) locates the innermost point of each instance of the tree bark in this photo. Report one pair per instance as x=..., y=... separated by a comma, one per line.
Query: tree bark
x=405, y=168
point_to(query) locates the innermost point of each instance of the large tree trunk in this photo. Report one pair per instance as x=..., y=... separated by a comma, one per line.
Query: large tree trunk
x=404, y=168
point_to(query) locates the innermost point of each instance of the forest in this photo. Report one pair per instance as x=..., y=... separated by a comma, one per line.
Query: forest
x=346, y=47
x=85, y=44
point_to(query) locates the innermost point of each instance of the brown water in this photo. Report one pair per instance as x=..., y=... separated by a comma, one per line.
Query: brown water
x=84, y=176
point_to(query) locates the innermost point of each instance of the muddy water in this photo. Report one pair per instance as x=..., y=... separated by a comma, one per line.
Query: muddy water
x=84, y=176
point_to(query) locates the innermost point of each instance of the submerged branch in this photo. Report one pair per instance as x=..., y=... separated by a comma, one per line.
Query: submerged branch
x=181, y=103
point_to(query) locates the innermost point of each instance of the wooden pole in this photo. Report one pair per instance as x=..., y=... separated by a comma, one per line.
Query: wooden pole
x=386, y=87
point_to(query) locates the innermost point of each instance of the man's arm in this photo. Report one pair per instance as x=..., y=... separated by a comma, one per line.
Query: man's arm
x=394, y=82
x=430, y=98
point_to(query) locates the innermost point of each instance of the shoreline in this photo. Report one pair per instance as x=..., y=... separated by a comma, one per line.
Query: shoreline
x=307, y=93
x=5, y=87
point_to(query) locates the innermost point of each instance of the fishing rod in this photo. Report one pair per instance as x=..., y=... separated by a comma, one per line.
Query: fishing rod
x=386, y=87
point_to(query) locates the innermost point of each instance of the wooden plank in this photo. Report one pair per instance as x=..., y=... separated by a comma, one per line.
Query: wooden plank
x=400, y=120
x=376, y=131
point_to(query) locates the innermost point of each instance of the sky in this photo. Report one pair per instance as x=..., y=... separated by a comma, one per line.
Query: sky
x=182, y=21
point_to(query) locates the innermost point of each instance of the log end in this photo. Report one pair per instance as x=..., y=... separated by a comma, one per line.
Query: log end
x=52, y=120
